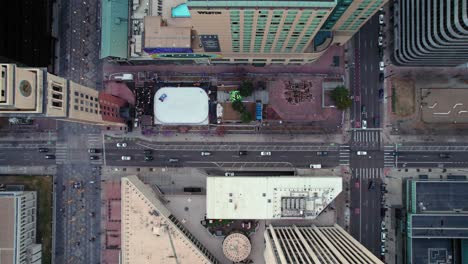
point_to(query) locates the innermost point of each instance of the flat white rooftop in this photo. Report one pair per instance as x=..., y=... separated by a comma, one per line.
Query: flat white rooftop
x=181, y=106
x=269, y=197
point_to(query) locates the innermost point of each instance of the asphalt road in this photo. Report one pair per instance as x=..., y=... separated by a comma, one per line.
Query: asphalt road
x=25, y=153
x=299, y=155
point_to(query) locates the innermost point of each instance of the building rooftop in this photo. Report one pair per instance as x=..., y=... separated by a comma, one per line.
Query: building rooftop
x=270, y=197
x=159, y=36
x=7, y=229
x=440, y=196
x=181, y=106
x=146, y=221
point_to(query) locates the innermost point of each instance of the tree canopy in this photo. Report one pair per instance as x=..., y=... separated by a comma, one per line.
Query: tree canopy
x=340, y=95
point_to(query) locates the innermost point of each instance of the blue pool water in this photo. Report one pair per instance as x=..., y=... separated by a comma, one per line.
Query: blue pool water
x=180, y=11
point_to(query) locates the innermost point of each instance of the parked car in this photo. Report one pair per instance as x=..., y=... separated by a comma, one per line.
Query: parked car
x=49, y=156
x=121, y=145
x=315, y=166
x=364, y=124
x=383, y=237
x=382, y=250
x=42, y=150
x=93, y=150
x=148, y=158
x=205, y=153
x=380, y=41
x=126, y=158
x=93, y=157
x=229, y=174
x=381, y=66
x=265, y=153
x=381, y=93
x=361, y=153
x=381, y=19
x=192, y=189
x=322, y=153
x=376, y=121
x=242, y=153
x=173, y=160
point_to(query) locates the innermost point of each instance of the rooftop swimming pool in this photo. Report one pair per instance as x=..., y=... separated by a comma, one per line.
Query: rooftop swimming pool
x=180, y=11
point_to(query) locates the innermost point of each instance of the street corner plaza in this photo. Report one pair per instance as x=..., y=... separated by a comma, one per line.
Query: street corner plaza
x=181, y=106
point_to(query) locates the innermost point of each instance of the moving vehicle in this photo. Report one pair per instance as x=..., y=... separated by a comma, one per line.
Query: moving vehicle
x=381, y=66
x=363, y=109
x=49, y=156
x=444, y=156
x=205, y=153
x=173, y=160
x=42, y=150
x=381, y=93
x=126, y=158
x=322, y=153
x=315, y=166
x=364, y=124
x=192, y=189
x=121, y=145
x=242, y=153
x=265, y=153
x=93, y=150
x=371, y=185
x=93, y=157
x=148, y=158
x=361, y=153
x=229, y=174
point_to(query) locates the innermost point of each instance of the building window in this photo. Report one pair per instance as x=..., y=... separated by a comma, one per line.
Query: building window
x=76, y=100
x=57, y=104
x=91, y=98
x=81, y=108
x=57, y=88
x=81, y=95
x=81, y=102
x=76, y=107
x=86, y=109
x=95, y=111
x=57, y=96
x=87, y=97
x=76, y=93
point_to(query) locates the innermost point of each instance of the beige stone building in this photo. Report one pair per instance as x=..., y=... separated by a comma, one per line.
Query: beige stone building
x=34, y=93
x=18, y=228
x=260, y=32
x=312, y=244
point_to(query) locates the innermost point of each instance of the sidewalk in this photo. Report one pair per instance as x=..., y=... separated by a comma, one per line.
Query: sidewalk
x=192, y=137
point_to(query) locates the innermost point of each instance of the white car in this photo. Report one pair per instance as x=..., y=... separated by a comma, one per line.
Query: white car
x=381, y=66
x=205, y=153
x=383, y=237
x=381, y=19
x=126, y=158
x=121, y=145
x=265, y=153
x=361, y=153
x=315, y=166
x=380, y=40
x=229, y=174
x=364, y=124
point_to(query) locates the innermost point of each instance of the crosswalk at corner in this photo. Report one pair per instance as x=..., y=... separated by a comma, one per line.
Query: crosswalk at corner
x=61, y=153
x=389, y=156
x=367, y=173
x=344, y=155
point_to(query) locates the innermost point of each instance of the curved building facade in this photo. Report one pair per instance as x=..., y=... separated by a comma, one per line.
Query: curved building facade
x=431, y=32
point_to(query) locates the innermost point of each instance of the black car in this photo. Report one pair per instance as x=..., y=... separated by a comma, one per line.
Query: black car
x=148, y=158
x=93, y=150
x=381, y=77
x=381, y=93
x=43, y=150
x=93, y=157
x=242, y=153
x=444, y=156
x=322, y=153
x=148, y=151
x=371, y=185
x=49, y=156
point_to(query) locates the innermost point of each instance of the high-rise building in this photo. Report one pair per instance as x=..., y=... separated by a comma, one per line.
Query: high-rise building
x=312, y=244
x=18, y=228
x=430, y=33
x=272, y=198
x=260, y=32
x=436, y=220
x=33, y=93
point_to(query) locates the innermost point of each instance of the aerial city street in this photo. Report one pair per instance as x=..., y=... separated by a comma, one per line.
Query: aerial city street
x=270, y=132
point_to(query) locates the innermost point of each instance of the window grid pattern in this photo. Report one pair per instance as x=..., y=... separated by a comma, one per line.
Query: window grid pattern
x=235, y=29
x=248, y=22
